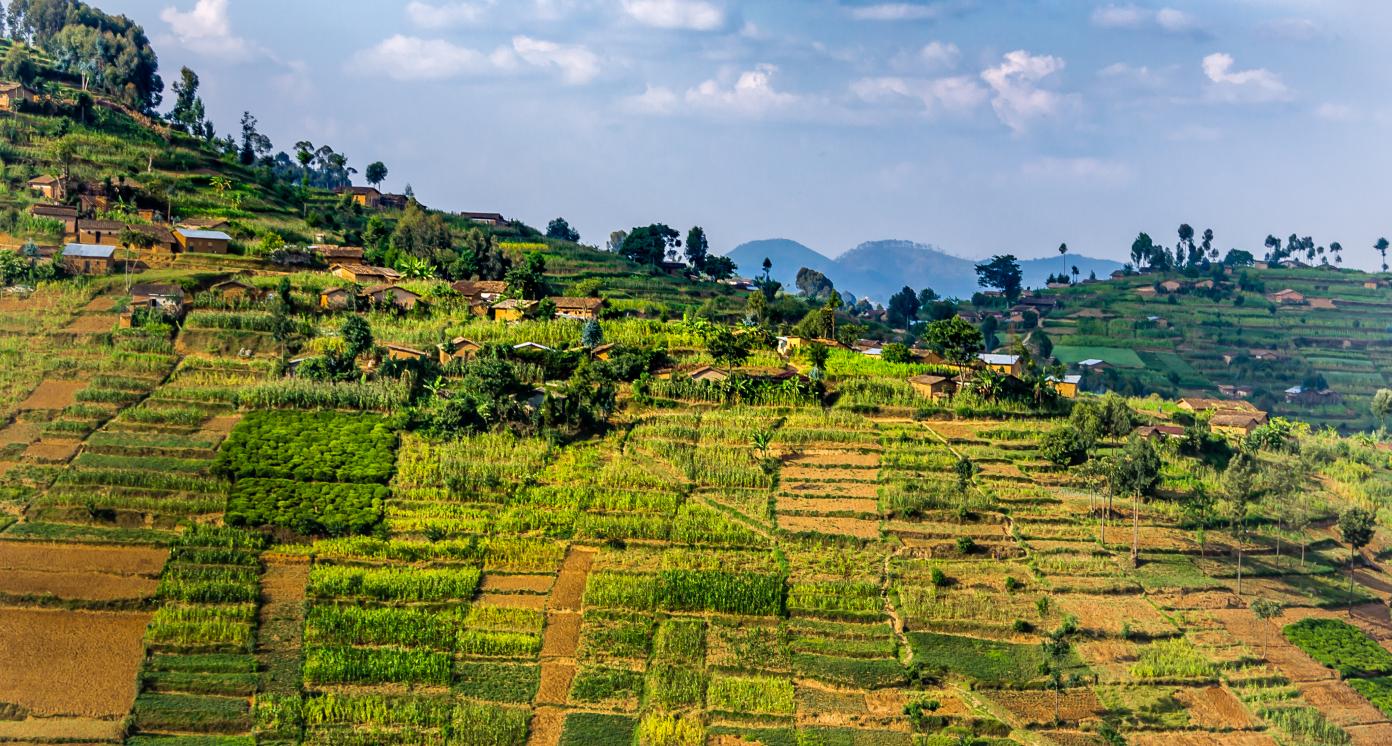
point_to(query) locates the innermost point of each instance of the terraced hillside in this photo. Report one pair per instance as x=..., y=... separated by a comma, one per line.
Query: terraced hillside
x=1193, y=341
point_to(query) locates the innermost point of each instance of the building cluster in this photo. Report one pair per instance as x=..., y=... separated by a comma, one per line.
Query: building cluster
x=1009, y=367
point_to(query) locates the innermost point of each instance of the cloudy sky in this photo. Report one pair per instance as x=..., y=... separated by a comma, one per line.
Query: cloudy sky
x=980, y=126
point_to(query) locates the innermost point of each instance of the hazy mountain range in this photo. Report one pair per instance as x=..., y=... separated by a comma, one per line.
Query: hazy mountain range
x=878, y=269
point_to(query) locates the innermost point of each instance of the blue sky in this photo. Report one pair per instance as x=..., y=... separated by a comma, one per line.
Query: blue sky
x=980, y=126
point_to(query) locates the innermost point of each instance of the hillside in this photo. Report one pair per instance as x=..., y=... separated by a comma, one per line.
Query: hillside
x=1194, y=341
x=878, y=269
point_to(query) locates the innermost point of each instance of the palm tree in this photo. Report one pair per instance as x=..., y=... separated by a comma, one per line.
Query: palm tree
x=1381, y=248
x=1063, y=253
x=1337, y=249
x=1075, y=274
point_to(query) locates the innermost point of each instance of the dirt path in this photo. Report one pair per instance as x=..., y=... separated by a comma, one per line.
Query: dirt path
x=558, y=645
x=282, y=619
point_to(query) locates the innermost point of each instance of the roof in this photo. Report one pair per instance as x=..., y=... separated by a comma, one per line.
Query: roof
x=156, y=288
x=578, y=304
x=101, y=225
x=339, y=252
x=7, y=87
x=204, y=235
x=532, y=346
x=1240, y=419
x=363, y=269
x=512, y=303
x=89, y=251
x=603, y=348
x=375, y=289
x=1296, y=390
x=202, y=223
x=1169, y=430
x=66, y=211
x=927, y=380
x=483, y=216
x=480, y=287
x=458, y=342
x=994, y=359
x=45, y=179
x=229, y=283
x=1091, y=362
x=333, y=291
x=1074, y=379
x=404, y=348
x=360, y=190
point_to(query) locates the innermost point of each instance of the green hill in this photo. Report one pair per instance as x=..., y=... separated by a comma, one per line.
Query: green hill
x=1197, y=339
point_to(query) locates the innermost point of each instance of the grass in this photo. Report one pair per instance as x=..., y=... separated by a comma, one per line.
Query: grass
x=1340, y=646
x=985, y=661
x=598, y=729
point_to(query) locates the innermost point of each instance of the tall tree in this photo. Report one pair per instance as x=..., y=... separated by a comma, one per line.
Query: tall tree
x=1002, y=272
x=1142, y=249
x=616, y=241
x=187, y=113
x=1063, y=254
x=255, y=145
x=560, y=230
x=903, y=307
x=1241, y=487
x=649, y=244
x=527, y=280
x=1135, y=471
x=376, y=173
x=1356, y=526
x=1381, y=248
x=956, y=340
x=697, y=248
x=1264, y=609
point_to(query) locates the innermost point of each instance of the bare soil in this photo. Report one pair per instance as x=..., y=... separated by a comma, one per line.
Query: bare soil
x=76, y=586
x=861, y=529
x=53, y=394
x=839, y=489
x=1036, y=708
x=836, y=458
x=70, y=662
x=1215, y=708
x=555, y=683
x=517, y=583
x=569, y=589
x=827, y=505
x=513, y=600
x=1379, y=734
x=75, y=558
x=562, y=635
x=1108, y=615
x=796, y=473
x=64, y=730
x=1292, y=661
x=1192, y=738
x=91, y=323
x=1340, y=703
x=281, y=625
x=52, y=451
x=547, y=723
x=19, y=432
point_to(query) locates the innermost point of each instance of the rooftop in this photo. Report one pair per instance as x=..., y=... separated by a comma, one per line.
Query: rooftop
x=204, y=235
x=89, y=251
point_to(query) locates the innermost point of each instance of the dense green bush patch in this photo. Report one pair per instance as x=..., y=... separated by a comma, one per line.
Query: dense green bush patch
x=987, y=661
x=180, y=712
x=406, y=584
x=597, y=729
x=689, y=590
x=599, y=684
x=310, y=447
x=1340, y=646
x=1378, y=691
x=375, y=666
x=321, y=508
x=497, y=682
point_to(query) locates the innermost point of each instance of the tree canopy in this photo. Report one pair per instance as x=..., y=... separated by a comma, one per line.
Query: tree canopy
x=649, y=244
x=109, y=53
x=1002, y=273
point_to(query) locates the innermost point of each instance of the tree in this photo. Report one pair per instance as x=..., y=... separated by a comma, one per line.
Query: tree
x=649, y=244
x=1241, y=487
x=376, y=173
x=697, y=248
x=896, y=352
x=720, y=267
x=956, y=340
x=1199, y=503
x=1056, y=649
x=1135, y=471
x=527, y=280
x=1002, y=273
x=255, y=145
x=421, y=234
x=812, y=284
x=1381, y=248
x=1238, y=258
x=1265, y=610
x=19, y=65
x=616, y=241
x=726, y=347
x=1064, y=446
x=766, y=284
x=1356, y=526
x=560, y=230
x=903, y=307
x=357, y=336
x=1142, y=250
x=817, y=354
x=591, y=335
x=1382, y=405
x=1185, y=251
x=1063, y=255
x=188, y=113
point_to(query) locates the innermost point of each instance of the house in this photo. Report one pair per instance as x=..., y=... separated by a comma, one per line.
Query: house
x=789, y=345
x=336, y=299
x=13, y=94
x=203, y=242
x=103, y=232
x=458, y=348
x=1067, y=387
x=1372, y=285
x=366, y=196
x=1042, y=304
x=1200, y=404
x=604, y=351
x=393, y=201
x=531, y=346
x=934, y=387
x=203, y=224
x=88, y=259
x=1234, y=391
x=1323, y=304
x=1311, y=397
x=485, y=218
x=1092, y=313
x=64, y=213
x=1287, y=297
x=164, y=296
x=1158, y=432
x=481, y=291
x=673, y=268
x=364, y=274
x=928, y=357
x=392, y=295
x=584, y=309
x=1146, y=291
x=1264, y=355
x=48, y=187
x=402, y=352
x=1236, y=423
x=1006, y=365
x=1117, y=274
x=707, y=374
x=338, y=254
x=1092, y=364
x=1205, y=284
x=1172, y=286
x=235, y=290
x=511, y=309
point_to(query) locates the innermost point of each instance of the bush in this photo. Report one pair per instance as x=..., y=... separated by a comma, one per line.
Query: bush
x=1064, y=446
x=310, y=447
x=317, y=508
x=1341, y=646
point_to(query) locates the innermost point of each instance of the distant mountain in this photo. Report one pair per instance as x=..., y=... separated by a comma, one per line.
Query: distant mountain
x=878, y=269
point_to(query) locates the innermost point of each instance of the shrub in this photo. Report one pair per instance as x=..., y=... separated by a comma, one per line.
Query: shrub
x=309, y=508
x=311, y=447
x=1341, y=646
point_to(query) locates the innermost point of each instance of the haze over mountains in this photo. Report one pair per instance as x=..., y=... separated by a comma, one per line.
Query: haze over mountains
x=878, y=269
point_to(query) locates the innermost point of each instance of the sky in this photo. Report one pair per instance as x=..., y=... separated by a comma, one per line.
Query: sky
x=978, y=126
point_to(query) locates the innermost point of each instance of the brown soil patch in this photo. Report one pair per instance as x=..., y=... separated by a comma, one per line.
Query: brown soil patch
x=513, y=600
x=569, y=589
x=794, y=473
x=1215, y=708
x=1197, y=600
x=1105, y=652
x=74, y=558
x=91, y=323
x=827, y=505
x=222, y=423
x=555, y=683
x=281, y=624
x=1293, y=662
x=1370, y=735
x=1191, y=738
x=861, y=529
x=886, y=703
x=547, y=723
x=516, y=583
x=52, y=451
x=1034, y=708
x=19, y=432
x=836, y=489
x=70, y=662
x=837, y=458
x=1340, y=703
x=1107, y=615
x=52, y=394
x=75, y=586
x=562, y=635
x=60, y=729
x=101, y=304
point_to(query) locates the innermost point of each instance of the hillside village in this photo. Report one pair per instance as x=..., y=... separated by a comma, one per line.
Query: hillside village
x=290, y=460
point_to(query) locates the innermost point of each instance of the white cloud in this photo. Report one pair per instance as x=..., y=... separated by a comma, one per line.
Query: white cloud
x=693, y=15
x=1017, y=98
x=1133, y=76
x=1333, y=112
x=952, y=95
x=897, y=12
x=1093, y=172
x=206, y=29
x=939, y=55
x=444, y=15
x=1137, y=18
x=655, y=100
x=577, y=64
x=1257, y=85
x=1291, y=29
x=750, y=94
